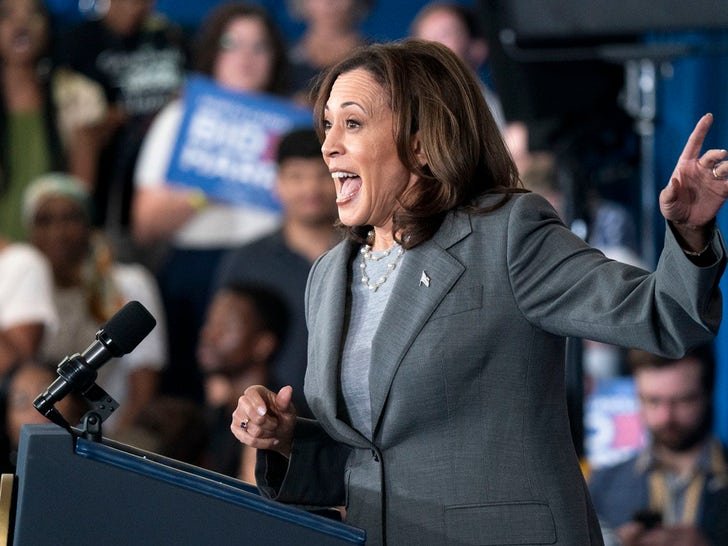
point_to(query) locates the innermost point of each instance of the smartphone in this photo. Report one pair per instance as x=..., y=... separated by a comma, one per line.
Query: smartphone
x=648, y=518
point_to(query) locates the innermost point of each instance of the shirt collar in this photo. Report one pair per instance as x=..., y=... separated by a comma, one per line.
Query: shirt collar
x=711, y=460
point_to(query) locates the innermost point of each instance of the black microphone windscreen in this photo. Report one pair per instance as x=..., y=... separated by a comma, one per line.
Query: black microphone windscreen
x=128, y=327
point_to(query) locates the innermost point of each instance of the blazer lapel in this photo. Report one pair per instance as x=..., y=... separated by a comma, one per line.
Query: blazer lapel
x=428, y=273
x=322, y=378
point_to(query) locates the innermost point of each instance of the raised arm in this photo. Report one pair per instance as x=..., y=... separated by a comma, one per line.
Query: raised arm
x=697, y=189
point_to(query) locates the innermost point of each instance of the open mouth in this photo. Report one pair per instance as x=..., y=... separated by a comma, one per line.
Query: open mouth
x=350, y=186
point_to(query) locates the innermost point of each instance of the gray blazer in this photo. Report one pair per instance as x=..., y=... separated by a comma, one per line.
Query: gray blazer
x=471, y=441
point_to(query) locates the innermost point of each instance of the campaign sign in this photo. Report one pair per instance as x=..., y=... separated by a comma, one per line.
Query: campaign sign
x=227, y=142
x=612, y=422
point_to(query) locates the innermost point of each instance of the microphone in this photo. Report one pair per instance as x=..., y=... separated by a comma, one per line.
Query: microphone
x=78, y=372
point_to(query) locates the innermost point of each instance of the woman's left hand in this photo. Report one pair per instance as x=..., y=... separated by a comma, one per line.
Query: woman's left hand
x=697, y=188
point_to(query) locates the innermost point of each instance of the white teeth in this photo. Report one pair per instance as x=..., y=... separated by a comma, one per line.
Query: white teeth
x=342, y=174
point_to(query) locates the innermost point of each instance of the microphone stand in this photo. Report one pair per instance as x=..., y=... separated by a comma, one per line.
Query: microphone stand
x=81, y=379
x=102, y=406
x=77, y=373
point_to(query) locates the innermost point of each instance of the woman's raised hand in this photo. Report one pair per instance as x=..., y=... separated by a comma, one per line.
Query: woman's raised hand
x=698, y=186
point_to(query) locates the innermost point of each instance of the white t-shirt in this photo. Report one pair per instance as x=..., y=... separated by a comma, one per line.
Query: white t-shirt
x=216, y=225
x=26, y=285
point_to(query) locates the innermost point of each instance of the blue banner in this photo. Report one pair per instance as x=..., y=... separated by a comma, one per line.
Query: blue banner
x=227, y=142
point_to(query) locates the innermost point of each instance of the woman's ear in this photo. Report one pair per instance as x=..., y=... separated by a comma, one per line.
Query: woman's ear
x=418, y=150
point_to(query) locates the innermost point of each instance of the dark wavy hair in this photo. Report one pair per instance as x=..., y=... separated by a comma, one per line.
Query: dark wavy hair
x=434, y=94
x=207, y=43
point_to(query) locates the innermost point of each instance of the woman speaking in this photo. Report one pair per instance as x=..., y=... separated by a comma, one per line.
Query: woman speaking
x=436, y=352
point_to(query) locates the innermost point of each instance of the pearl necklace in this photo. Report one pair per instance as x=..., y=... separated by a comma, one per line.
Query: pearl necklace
x=366, y=255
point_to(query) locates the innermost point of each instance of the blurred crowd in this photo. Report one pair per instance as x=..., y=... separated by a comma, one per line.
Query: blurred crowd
x=89, y=117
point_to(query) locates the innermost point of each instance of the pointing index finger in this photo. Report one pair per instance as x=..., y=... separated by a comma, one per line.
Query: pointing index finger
x=696, y=138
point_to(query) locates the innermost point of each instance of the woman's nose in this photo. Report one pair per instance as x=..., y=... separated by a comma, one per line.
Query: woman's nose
x=332, y=143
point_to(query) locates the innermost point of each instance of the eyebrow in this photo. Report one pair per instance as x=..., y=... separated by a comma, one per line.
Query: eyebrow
x=347, y=104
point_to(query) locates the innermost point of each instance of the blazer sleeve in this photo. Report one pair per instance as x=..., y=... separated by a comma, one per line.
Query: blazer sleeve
x=570, y=289
x=313, y=476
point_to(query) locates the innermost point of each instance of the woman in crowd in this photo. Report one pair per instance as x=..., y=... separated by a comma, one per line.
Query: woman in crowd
x=436, y=352
x=38, y=119
x=89, y=287
x=240, y=48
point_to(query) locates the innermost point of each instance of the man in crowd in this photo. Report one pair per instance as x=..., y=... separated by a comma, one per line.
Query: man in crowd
x=674, y=492
x=240, y=336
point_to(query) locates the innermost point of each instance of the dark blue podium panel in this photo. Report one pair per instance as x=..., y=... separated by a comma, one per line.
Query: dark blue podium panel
x=86, y=493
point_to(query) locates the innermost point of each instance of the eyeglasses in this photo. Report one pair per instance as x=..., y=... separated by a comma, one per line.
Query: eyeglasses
x=683, y=401
x=228, y=42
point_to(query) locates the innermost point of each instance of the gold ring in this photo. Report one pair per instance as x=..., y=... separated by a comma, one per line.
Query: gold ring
x=715, y=173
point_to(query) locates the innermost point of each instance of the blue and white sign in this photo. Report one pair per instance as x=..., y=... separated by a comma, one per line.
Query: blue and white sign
x=227, y=142
x=614, y=430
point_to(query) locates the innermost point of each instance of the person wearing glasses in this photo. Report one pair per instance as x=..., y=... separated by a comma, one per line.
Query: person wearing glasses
x=675, y=490
x=239, y=47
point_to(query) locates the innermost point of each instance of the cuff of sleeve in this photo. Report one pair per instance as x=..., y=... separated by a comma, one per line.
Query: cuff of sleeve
x=709, y=256
x=270, y=471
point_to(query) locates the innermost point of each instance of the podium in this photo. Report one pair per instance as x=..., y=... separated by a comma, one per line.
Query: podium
x=76, y=491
